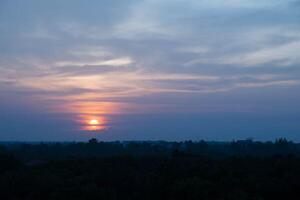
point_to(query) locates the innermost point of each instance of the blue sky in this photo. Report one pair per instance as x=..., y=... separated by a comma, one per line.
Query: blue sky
x=172, y=70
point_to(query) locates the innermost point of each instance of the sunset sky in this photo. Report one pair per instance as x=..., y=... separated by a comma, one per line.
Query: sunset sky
x=149, y=70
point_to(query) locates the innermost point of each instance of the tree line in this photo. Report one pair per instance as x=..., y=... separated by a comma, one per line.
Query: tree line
x=237, y=170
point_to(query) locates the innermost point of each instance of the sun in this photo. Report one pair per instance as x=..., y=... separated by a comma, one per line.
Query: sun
x=94, y=122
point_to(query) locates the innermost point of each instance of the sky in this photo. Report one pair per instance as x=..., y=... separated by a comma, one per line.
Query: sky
x=149, y=70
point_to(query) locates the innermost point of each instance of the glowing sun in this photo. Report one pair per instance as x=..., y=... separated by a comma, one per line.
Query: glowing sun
x=94, y=122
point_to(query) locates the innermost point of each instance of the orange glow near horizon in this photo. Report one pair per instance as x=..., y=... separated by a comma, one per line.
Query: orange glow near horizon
x=94, y=115
x=93, y=123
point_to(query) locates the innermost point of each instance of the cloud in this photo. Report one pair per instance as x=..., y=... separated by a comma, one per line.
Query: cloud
x=282, y=55
x=90, y=51
x=264, y=46
x=283, y=83
x=241, y=3
x=127, y=50
x=120, y=85
x=111, y=62
x=40, y=32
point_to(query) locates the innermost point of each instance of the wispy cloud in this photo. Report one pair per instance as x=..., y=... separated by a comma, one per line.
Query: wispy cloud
x=283, y=83
x=281, y=55
x=135, y=49
x=111, y=62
